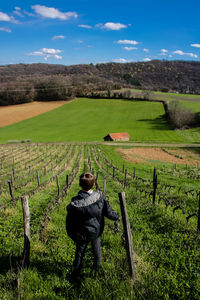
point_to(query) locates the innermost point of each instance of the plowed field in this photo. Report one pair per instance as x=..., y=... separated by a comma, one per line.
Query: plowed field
x=16, y=113
x=147, y=155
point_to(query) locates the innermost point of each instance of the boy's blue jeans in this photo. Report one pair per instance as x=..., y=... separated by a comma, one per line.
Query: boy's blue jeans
x=80, y=250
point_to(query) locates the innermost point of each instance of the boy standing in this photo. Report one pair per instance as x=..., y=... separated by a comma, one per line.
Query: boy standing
x=85, y=221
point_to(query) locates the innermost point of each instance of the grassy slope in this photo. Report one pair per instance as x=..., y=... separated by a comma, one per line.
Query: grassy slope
x=91, y=120
x=169, y=96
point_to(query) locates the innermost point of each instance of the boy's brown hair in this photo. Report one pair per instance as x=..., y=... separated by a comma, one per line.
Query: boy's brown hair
x=86, y=181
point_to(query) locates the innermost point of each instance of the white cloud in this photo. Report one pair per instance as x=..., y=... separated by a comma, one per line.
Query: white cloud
x=146, y=50
x=28, y=13
x=46, y=53
x=195, y=45
x=7, y=18
x=53, y=13
x=17, y=12
x=120, y=60
x=180, y=52
x=5, y=29
x=4, y=17
x=85, y=26
x=164, y=51
x=51, y=51
x=57, y=37
x=126, y=42
x=147, y=59
x=130, y=48
x=111, y=26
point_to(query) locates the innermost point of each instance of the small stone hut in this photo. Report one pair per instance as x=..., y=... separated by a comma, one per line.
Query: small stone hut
x=121, y=136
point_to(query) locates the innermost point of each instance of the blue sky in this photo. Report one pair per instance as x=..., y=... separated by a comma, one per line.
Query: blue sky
x=85, y=31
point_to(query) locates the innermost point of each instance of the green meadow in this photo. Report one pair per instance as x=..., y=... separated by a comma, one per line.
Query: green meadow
x=167, y=96
x=84, y=120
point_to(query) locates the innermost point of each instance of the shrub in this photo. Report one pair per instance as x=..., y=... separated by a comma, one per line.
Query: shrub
x=181, y=116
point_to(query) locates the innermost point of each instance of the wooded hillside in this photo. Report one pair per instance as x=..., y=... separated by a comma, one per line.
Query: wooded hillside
x=28, y=82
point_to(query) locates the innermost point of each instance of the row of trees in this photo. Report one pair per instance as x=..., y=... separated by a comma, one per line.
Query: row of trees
x=52, y=88
x=23, y=82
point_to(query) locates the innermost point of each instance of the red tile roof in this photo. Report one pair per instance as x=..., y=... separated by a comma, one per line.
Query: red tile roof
x=119, y=135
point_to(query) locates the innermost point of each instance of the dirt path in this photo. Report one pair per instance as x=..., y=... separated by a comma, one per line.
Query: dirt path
x=16, y=113
x=152, y=145
x=141, y=155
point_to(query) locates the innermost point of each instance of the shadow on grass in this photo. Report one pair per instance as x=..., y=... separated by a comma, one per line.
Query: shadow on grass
x=160, y=123
x=158, y=221
x=46, y=267
x=9, y=262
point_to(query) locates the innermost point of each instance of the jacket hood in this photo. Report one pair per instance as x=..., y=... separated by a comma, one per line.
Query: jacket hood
x=87, y=199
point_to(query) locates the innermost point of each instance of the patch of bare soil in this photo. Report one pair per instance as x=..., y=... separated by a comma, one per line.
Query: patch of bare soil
x=192, y=157
x=16, y=113
x=130, y=155
x=145, y=155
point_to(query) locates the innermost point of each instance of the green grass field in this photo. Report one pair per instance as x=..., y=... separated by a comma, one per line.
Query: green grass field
x=91, y=120
x=168, y=96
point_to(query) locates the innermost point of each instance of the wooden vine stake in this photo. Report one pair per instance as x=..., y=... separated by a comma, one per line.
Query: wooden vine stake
x=125, y=177
x=26, y=216
x=38, y=178
x=155, y=183
x=113, y=172
x=67, y=180
x=128, y=235
x=134, y=172
x=11, y=192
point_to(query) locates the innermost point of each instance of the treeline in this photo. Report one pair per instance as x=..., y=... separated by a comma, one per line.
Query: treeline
x=29, y=82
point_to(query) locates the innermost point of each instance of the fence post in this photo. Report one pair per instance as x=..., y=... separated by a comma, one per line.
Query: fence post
x=155, y=183
x=13, y=172
x=125, y=178
x=11, y=191
x=26, y=217
x=128, y=235
x=13, y=168
x=12, y=179
x=67, y=180
x=113, y=172
x=38, y=178
x=134, y=172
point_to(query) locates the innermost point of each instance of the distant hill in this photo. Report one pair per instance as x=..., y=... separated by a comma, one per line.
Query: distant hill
x=28, y=82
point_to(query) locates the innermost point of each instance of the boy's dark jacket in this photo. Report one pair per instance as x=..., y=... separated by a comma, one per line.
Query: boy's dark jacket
x=85, y=216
